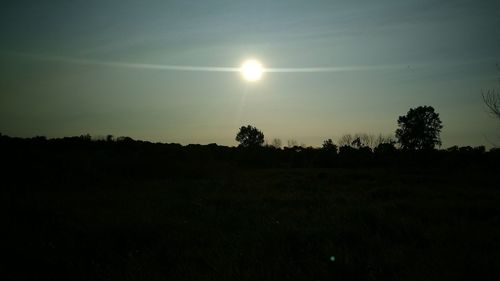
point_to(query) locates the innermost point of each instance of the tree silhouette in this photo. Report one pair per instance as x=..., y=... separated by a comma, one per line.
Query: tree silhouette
x=292, y=143
x=419, y=129
x=345, y=140
x=492, y=100
x=356, y=142
x=250, y=137
x=276, y=143
x=328, y=145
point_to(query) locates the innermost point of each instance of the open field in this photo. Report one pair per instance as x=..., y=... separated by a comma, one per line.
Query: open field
x=247, y=223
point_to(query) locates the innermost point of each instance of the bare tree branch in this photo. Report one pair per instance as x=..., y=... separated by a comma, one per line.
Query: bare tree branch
x=492, y=101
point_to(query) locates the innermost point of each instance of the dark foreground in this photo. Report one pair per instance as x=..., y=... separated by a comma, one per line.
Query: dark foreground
x=65, y=221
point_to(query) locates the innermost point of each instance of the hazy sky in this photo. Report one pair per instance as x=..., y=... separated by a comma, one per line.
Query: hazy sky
x=60, y=71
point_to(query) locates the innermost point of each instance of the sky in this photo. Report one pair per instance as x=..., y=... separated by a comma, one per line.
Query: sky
x=76, y=67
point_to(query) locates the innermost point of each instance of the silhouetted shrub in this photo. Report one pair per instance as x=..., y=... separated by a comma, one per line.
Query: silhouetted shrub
x=329, y=146
x=385, y=148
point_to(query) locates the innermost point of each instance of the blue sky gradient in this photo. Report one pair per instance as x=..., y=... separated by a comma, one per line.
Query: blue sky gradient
x=440, y=53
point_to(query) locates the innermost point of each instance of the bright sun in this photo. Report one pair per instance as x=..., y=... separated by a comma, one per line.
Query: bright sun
x=252, y=70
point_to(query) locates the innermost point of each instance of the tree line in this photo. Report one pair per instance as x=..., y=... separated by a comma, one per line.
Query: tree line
x=419, y=129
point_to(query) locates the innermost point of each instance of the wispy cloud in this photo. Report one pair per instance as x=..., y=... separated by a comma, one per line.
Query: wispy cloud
x=194, y=68
x=134, y=65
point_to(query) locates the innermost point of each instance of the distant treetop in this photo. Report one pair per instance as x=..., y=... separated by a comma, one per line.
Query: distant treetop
x=250, y=137
x=419, y=129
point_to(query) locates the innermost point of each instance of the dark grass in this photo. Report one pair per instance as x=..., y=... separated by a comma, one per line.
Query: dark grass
x=241, y=223
x=76, y=209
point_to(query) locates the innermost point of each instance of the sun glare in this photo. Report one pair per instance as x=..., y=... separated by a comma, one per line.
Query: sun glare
x=252, y=70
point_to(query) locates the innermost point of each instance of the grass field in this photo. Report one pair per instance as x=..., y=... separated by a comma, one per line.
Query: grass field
x=260, y=224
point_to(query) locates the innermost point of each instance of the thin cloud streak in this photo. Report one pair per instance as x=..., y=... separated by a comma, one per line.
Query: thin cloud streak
x=332, y=69
x=139, y=65
x=202, y=68
x=191, y=68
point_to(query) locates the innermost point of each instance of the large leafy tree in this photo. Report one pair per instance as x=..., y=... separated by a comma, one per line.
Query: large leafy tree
x=419, y=129
x=249, y=136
